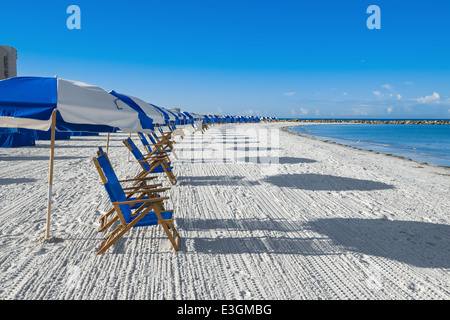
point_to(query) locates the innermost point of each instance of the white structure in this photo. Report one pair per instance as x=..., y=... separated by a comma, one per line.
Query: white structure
x=8, y=62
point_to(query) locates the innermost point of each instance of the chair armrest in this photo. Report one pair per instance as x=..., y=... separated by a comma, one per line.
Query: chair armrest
x=137, y=179
x=144, y=187
x=155, y=144
x=141, y=201
x=147, y=190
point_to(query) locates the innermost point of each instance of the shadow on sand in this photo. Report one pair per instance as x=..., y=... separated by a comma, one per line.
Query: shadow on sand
x=322, y=182
x=239, y=224
x=39, y=158
x=421, y=244
x=253, y=244
x=215, y=180
x=7, y=181
x=272, y=159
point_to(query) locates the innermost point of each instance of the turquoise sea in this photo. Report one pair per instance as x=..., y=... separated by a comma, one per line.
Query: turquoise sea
x=424, y=143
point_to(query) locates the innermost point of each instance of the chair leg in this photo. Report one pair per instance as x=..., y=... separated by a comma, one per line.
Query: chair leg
x=170, y=175
x=104, y=224
x=120, y=231
x=167, y=225
x=111, y=239
x=174, y=154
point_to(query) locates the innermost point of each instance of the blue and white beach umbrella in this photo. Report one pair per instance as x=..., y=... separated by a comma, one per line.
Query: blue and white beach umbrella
x=29, y=102
x=156, y=114
x=197, y=116
x=173, y=118
x=42, y=103
x=189, y=116
x=182, y=118
x=172, y=115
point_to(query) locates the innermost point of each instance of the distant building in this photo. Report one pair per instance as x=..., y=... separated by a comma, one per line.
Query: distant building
x=8, y=62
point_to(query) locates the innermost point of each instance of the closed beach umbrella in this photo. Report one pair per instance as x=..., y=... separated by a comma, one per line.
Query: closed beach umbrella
x=42, y=103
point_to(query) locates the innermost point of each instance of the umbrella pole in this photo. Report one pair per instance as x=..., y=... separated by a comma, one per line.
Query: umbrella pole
x=107, y=142
x=129, y=136
x=50, y=175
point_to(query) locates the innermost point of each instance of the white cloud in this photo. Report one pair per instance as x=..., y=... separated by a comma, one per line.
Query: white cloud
x=304, y=111
x=409, y=83
x=345, y=93
x=293, y=113
x=427, y=99
x=385, y=94
x=289, y=94
x=399, y=96
x=377, y=93
x=389, y=110
x=317, y=113
x=360, y=112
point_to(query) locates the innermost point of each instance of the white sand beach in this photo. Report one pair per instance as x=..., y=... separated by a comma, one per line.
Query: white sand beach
x=325, y=222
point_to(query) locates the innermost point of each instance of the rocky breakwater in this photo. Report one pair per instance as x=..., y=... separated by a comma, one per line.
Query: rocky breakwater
x=427, y=122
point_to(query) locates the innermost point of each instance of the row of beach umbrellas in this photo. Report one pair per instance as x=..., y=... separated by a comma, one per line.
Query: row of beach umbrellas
x=59, y=105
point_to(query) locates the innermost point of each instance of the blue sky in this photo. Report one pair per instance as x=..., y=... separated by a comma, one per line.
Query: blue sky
x=312, y=59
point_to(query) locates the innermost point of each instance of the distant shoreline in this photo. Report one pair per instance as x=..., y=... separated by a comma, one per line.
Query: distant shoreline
x=330, y=141
x=426, y=122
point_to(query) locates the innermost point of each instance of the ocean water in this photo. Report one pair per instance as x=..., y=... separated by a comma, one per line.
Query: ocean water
x=424, y=143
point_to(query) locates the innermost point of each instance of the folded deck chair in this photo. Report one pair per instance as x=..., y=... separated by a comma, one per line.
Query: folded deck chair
x=151, y=163
x=146, y=209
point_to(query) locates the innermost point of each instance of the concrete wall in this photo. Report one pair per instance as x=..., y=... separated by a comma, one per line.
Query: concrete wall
x=8, y=62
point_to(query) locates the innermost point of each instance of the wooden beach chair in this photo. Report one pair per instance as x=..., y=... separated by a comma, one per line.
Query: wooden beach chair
x=156, y=145
x=140, y=187
x=144, y=209
x=154, y=162
x=198, y=128
x=167, y=139
x=165, y=133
